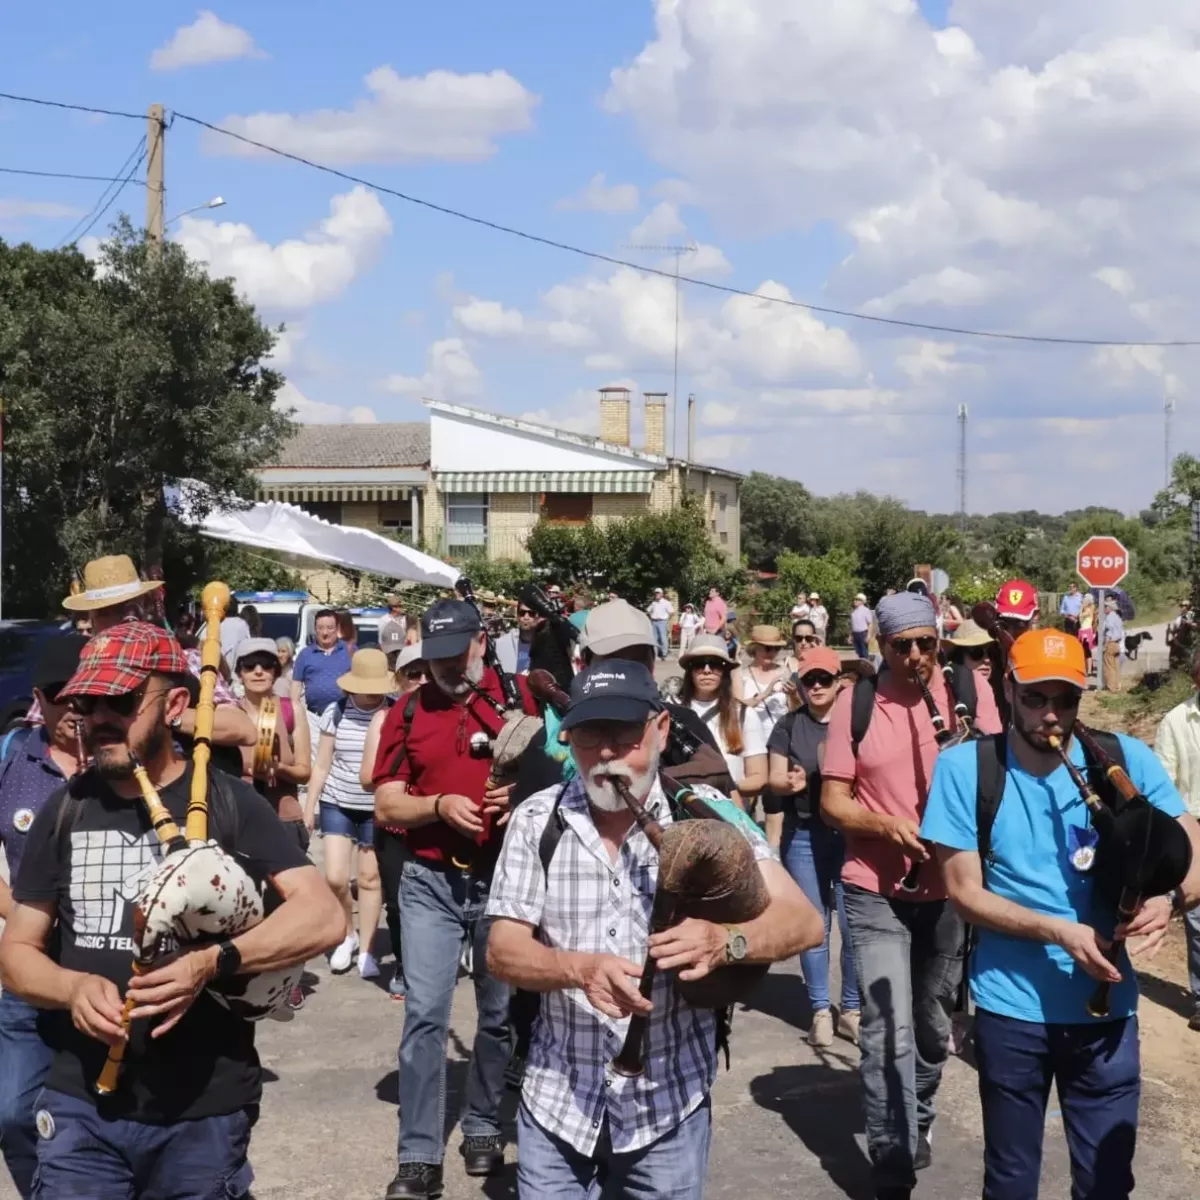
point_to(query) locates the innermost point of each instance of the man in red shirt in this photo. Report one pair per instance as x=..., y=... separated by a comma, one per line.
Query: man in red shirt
x=429, y=782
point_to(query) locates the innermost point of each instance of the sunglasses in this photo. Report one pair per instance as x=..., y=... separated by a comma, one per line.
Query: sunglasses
x=806, y=639
x=975, y=652
x=710, y=664
x=821, y=679
x=524, y=612
x=1039, y=700
x=263, y=661
x=623, y=735
x=412, y=673
x=904, y=645
x=124, y=705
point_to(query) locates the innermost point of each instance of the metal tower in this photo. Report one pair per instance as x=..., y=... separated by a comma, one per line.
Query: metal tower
x=962, y=466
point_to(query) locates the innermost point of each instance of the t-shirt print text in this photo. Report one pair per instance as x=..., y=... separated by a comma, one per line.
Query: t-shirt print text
x=108, y=871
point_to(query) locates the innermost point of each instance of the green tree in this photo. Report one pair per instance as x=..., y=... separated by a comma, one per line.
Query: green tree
x=119, y=378
x=777, y=515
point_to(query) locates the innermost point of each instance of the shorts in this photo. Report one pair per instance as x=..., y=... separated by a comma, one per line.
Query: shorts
x=355, y=823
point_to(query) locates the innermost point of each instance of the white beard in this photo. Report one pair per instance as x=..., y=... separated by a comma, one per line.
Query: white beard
x=603, y=795
x=456, y=684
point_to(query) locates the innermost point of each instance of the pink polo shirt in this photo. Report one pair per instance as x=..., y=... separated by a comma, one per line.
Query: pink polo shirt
x=714, y=615
x=892, y=774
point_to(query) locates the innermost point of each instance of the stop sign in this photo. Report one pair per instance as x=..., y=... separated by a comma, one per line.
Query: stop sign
x=1102, y=562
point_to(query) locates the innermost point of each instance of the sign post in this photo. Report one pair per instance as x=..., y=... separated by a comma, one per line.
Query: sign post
x=1102, y=562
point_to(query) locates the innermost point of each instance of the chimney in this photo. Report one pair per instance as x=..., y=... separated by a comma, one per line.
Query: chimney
x=656, y=423
x=614, y=415
x=691, y=445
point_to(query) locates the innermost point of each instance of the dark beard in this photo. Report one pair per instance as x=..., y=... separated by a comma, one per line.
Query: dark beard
x=119, y=767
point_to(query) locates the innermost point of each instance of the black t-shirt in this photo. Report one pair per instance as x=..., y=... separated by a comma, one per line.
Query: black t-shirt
x=92, y=865
x=799, y=736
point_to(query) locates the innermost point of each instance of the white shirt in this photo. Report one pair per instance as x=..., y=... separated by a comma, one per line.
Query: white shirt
x=770, y=709
x=753, y=741
x=234, y=631
x=800, y=610
x=1177, y=745
x=690, y=620
x=819, y=616
x=348, y=724
x=660, y=609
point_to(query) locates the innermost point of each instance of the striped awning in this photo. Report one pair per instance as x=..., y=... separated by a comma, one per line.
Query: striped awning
x=597, y=482
x=309, y=493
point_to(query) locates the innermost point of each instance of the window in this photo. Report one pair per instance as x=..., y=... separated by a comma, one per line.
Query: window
x=397, y=515
x=466, y=523
x=327, y=510
x=722, y=512
x=567, y=508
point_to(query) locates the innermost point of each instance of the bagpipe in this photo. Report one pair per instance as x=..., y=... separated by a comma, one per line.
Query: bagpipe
x=199, y=894
x=1140, y=852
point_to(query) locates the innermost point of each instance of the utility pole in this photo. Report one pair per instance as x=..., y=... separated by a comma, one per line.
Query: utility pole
x=1168, y=414
x=156, y=194
x=962, y=467
x=678, y=252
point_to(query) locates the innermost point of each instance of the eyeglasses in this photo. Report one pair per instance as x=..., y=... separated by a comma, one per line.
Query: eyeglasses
x=806, y=639
x=903, y=645
x=524, y=612
x=1039, y=700
x=622, y=735
x=821, y=679
x=710, y=664
x=124, y=705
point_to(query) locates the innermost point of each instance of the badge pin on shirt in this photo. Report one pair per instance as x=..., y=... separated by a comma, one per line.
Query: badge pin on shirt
x=23, y=820
x=1082, y=847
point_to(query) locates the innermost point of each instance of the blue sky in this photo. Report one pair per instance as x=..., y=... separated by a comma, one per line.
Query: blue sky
x=973, y=164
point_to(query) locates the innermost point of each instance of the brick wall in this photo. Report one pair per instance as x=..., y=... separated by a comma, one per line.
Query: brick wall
x=511, y=516
x=361, y=515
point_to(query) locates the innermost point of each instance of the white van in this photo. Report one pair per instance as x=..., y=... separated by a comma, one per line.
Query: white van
x=280, y=611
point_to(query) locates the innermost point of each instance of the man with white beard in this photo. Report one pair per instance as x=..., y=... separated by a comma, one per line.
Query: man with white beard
x=577, y=930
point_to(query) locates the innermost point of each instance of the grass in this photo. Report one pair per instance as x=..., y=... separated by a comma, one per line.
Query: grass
x=1139, y=710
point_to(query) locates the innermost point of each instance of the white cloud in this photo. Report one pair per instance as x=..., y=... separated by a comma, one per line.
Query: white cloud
x=438, y=116
x=314, y=412
x=19, y=210
x=450, y=374
x=207, y=39
x=598, y=195
x=660, y=225
x=489, y=318
x=298, y=273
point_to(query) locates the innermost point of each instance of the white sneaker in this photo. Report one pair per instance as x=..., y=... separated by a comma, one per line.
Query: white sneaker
x=343, y=954
x=368, y=968
x=821, y=1031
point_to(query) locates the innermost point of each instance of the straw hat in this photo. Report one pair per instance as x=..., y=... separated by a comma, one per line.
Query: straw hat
x=766, y=635
x=108, y=581
x=708, y=645
x=968, y=634
x=368, y=674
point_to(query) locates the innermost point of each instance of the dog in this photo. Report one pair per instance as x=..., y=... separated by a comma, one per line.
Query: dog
x=1133, y=641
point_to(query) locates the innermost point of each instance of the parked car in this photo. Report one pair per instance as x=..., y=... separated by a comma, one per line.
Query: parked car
x=20, y=644
x=280, y=612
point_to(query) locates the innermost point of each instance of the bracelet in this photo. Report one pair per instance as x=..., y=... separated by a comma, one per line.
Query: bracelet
x=437, y=806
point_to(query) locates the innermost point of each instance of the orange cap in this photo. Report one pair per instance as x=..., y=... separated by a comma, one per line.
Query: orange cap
x=819, y=658
x=1041, y=655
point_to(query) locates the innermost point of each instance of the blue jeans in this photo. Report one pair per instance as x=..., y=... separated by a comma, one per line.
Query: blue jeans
x=1191, y=929
x=1097, y=1070
x=24, y=1063
x=909, y=961
x=673, y=1168
x=436, y=908
x=813, y=857
x=661, y=641
x=861, y=641
x=89, y=1157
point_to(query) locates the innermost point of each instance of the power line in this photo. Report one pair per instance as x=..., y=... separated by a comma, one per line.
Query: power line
x=108, y=196
x=104, y=112
x=725, y=289
x=66, y=175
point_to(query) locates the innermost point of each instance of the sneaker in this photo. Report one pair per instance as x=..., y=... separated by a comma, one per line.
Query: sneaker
x=1194, y=1022
x=483, y=1155
x=416, y=1181
x=847, y=1025
x=295, y=998
x=924, y=1156
x=368, y=968
x=396, y=986
x=343, y=954
x=821, y=1032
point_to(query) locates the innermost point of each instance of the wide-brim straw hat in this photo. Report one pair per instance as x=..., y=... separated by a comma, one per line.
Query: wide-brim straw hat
x=108, y=581
x=707, y=645
x=368, y=675
x=766, y=635
x=968, y=634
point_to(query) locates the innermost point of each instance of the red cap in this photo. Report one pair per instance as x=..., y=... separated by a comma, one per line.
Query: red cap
x=120, y=659
x=1017, y=599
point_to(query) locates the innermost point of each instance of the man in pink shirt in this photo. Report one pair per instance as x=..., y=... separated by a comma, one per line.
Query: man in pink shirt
x=907, y=938
x=715, y=612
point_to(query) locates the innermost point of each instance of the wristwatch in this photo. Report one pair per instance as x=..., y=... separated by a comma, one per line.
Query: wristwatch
x=229, y=960
x=736, y=945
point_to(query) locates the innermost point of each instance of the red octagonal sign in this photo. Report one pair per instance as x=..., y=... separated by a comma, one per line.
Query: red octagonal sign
x=1102, y=562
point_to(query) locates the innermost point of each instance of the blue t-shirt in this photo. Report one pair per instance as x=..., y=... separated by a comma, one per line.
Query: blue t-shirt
x=1071, y=605
x=1016, y=977
x=319, y=672
x=28, y=778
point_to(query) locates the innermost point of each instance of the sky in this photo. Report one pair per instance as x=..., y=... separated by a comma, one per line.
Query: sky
x=994, y=165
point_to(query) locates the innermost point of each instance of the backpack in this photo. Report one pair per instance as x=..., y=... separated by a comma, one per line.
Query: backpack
x=959, y=678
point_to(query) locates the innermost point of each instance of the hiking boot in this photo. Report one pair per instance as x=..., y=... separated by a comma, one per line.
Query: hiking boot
x=821, y=1032
x=847, y=1025
x=924, y=1156
x=416, y=1181
x=483, y=1155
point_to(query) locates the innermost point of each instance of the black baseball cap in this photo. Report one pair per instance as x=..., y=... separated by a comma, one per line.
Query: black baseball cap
x=448, y=628
x=57, y=661
x=613, y=690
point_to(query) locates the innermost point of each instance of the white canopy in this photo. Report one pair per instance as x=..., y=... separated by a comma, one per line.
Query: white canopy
x=290, y=531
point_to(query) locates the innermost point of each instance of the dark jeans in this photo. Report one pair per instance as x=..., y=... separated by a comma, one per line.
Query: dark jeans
x=84, y=1156
x=861, y=641
x=391, y=851
x=813, y=855
x=24, y=1063
x=436, y=909
x=1097, y=1071
x=909, y=961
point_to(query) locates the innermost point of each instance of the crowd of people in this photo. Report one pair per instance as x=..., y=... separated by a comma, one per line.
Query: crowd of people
x=848, y=783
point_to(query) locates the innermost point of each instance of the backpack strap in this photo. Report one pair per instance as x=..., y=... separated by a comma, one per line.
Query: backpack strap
x=410, y=709
x=1105, y=789
x=862, y=707
x=963, y=693
x=991, y=758
x=556, y=826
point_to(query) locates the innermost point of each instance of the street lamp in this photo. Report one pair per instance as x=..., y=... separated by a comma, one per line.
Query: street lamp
x=215, y=202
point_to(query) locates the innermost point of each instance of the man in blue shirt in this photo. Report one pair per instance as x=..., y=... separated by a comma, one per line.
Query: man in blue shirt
x=318, y=667
x=1072, y=602
x=1042, y=929
x=1114, y=641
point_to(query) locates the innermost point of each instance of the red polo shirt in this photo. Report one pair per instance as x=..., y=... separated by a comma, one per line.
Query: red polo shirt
x=436, y=758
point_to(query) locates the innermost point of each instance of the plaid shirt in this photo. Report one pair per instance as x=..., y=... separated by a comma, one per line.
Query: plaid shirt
x=592, y=905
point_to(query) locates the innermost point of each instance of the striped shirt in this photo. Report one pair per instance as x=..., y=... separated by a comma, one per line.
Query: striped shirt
x=590, y=904
x=348, y=723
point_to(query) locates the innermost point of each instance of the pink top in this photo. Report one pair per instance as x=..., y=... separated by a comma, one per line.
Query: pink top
x=714, y=615
x=892, y=775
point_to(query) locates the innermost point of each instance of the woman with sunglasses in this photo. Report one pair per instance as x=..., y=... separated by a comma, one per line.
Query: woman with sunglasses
x=708, y=691
x=812, y=851
x=971, y=646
